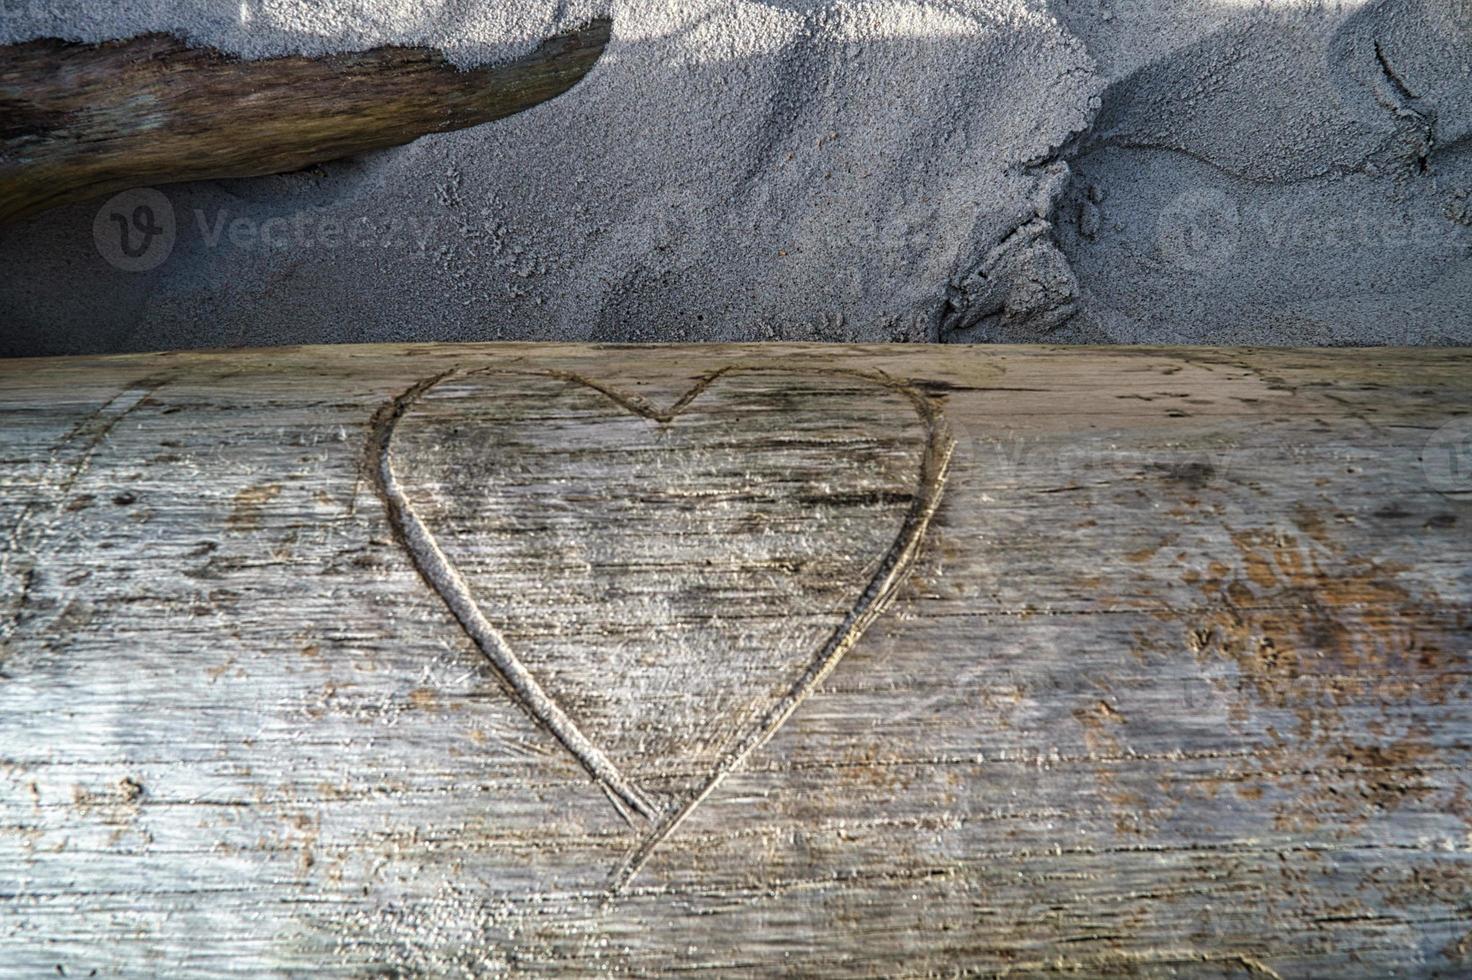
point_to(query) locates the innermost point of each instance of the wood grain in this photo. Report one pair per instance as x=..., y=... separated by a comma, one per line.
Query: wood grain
x=84, y=120
x=1165, y=669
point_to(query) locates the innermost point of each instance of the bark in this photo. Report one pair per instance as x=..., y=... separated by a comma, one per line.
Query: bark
x=83, y=120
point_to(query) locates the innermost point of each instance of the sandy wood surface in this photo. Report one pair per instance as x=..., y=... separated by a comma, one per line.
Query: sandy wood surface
x=820, y=660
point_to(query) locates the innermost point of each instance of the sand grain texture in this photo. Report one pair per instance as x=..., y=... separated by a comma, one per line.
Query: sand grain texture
x=987, y=170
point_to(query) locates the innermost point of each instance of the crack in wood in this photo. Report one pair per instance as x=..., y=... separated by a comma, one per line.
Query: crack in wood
x=441, y=575
x=95, y=427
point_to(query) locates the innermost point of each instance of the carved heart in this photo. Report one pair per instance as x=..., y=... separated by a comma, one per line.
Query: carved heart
x=661, y=588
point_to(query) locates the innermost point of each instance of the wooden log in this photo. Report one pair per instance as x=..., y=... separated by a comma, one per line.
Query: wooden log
x=817, y=660
x=83, y=120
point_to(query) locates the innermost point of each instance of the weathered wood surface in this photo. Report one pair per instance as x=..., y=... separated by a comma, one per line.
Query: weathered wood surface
x=84, y=120
x=409, y=660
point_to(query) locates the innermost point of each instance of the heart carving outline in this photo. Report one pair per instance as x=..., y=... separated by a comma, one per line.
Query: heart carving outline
x=445, y=580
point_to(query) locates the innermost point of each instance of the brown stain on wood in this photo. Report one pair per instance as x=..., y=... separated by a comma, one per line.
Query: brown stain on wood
x=1313, y=633
x=1135, y=812
x=1310, y=627
x=249, y=505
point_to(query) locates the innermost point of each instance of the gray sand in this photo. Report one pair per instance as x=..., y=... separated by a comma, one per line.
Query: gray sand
x=1204, y=171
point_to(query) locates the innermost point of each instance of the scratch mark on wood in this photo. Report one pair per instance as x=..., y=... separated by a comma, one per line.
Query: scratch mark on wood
x=94, y=429
x=442, y=577
x=1129, y=963
x=871, y=604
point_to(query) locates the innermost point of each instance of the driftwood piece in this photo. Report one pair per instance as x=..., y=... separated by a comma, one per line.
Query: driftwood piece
x=484, y=659
x=84, y=120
